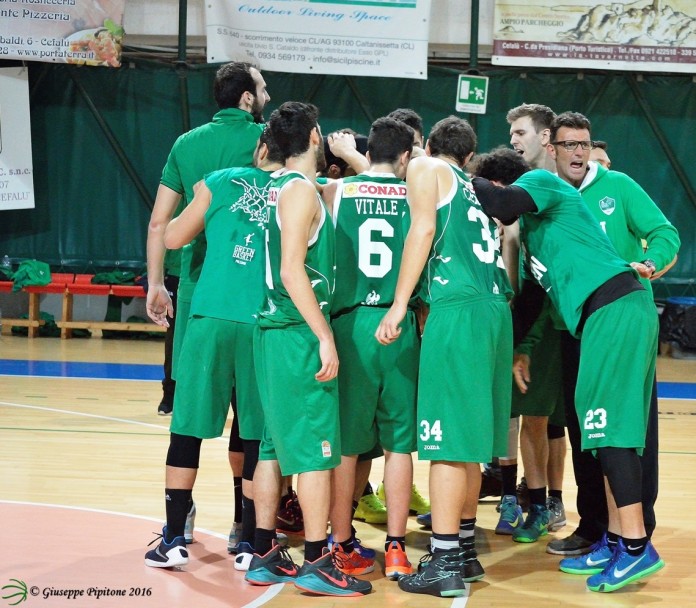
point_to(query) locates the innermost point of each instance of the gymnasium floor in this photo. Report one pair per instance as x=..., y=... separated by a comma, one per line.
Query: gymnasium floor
x=82, y=452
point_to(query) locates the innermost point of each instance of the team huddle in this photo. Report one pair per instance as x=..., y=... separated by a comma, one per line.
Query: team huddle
x=373, y=314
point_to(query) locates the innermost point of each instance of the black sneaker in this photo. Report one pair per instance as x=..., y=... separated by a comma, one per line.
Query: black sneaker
x=167, y=554
x=522, y=492
x=570, y=545
x=165, y=408
x=322, y=577
x=439, y=574
x=274, y=567
x=472, y=570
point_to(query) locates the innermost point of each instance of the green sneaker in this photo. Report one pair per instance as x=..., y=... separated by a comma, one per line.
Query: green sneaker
x=535, y=526
x=371, y=510
x=419, y=505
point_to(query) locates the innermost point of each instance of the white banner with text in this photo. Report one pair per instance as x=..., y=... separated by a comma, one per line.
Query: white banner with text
x=346, y=37
x=16, y=169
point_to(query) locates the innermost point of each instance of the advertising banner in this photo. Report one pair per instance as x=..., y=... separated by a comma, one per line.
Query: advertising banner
x=349, y=37
x=85, y=32
x=640, y=35
x=16, y=181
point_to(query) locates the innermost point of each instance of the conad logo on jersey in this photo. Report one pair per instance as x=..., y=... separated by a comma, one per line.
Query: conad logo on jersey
x=369, y=189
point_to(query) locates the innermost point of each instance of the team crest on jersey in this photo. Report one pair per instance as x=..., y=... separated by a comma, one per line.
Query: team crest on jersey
x=326, y=449
x=372, y=298
x=607, y=205
x=252, y=202
x=350, y=189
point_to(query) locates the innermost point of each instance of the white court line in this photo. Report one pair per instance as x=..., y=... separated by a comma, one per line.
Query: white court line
x=264, y=598
x=78, y=378
x=459, y=602
x=86, y=415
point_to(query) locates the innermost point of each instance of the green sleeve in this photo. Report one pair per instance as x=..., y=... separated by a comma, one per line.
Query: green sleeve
x=646, y=221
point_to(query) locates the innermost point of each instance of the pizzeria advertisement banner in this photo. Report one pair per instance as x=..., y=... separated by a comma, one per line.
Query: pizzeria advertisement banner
x=85, y=32
x=349, y=37
x=640, y=35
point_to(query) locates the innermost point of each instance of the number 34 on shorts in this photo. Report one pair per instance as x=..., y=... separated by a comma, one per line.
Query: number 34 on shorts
x=431, y=430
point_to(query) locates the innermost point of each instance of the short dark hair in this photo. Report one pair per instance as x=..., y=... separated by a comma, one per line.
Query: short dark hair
x=274, y=153
x=389, y=138
x=541, y=116
x=290, y=126
x=501, y=164
x=331, y=159
x=454, y=137
x=232, y=80
x=569, y=120
x=598, y=143
x=408, y=116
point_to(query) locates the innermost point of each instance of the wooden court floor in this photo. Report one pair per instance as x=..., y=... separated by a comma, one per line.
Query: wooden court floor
x=82, y=494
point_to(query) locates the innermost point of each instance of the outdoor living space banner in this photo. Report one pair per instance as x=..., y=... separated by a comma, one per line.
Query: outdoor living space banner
x=349, y=37
x=639, y=35
x=85, y=32
x=16, y=169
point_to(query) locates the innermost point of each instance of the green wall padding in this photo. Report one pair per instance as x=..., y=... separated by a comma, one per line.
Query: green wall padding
x=90, y=213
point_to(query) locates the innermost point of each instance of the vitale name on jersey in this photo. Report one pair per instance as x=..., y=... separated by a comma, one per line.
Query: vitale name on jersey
x=371, y=206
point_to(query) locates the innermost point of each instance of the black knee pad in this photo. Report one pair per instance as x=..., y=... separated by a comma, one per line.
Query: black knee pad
x=251, y=458
x=184, y=451
x=554, y=431
x=622, y=468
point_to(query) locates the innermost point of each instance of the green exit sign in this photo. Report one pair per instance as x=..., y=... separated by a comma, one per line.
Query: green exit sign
x=472, y=93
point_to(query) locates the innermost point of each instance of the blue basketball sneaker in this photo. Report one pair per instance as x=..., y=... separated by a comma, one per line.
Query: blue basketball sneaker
x=511, y=515
x=425, y=520
x=592, y=563
x=624, y=568
x=167, y=554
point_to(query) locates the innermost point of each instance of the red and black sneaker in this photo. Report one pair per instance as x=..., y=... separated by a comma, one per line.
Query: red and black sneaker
x=289, y=517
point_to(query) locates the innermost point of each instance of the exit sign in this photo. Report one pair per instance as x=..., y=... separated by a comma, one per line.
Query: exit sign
x=472, y=93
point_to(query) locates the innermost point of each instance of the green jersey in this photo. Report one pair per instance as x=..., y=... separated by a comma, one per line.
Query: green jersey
x=279, y=310
x=230, y=286
x=628, y=215
x=228, y=140
x=464, y=259
x=566, y=250
x=369, y=213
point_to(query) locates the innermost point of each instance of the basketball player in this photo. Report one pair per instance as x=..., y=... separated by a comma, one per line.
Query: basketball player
x=453, y=245
x=377, y=385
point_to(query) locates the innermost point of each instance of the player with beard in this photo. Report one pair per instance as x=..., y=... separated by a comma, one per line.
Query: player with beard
x=229, y=140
